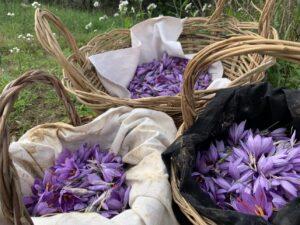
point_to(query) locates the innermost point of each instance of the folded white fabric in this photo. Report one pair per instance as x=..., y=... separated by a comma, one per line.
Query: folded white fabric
x=138, y=135
x=150, y=39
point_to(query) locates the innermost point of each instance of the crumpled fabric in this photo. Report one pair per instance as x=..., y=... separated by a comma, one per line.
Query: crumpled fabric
x=262, y=106
x=138, y=135
x=149, y=39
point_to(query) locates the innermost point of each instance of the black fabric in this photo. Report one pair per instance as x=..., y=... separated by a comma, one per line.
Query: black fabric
x=262, y=107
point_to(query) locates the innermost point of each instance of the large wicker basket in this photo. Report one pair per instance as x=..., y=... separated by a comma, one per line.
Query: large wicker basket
x=233, y=47
x=11, y=202
x=80, y=77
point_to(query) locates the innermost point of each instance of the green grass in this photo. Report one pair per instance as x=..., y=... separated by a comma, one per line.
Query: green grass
x=39, y=103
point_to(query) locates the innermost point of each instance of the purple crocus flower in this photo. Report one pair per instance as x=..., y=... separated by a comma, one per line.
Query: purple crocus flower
x=163, y=77
x=237, y=132
x=69, y=201
x=68, y=171
x=256, y=204
x=258, y=145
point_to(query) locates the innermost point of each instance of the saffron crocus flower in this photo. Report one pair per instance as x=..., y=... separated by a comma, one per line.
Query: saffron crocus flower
x=69, y=201
x=237, y=132
x=116, y=201
x=250, y=162
x=163, y=77
x=256, y=204
x=80, y=181
x=68, y=171
x=258, y=145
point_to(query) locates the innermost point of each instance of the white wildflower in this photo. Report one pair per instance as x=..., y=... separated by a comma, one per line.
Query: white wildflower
x=95, y=30
x=14, y=50
x=29, y=35
x=21, y=36
x=88, y=26
x=204, y=7
x=188, y=7
x=151, y=6
x=10, y=14
x=116, y=14
x=132, y=9
x=54, y=34
x=209, y=6
x=96, y=4
x=36, y=5
x=123, y=6
x=105, y=17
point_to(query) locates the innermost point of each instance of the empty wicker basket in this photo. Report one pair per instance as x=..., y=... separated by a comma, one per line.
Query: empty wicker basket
x=80, y=77
x=233, y=47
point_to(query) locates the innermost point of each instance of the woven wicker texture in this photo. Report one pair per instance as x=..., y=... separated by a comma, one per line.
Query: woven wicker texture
x=11, y=201
x=80, y=77
x=233, y=47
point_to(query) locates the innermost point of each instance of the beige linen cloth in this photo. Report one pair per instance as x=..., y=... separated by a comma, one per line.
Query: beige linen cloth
x=138, y=135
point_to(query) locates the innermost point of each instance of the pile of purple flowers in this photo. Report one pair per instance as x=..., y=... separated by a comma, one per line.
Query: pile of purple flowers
x=87, y=180
x=163, y=77
x=253, y=172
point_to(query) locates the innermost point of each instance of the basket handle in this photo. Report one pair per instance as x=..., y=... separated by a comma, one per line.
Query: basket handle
x=49, y=42
x=264, y=20
x=235, y=46
x=10, y=198
x=220, y=5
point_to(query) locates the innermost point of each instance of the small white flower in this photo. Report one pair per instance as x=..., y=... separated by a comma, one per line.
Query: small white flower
x=204, y=7
x=116, y=14
x=95, y=30
x=36, y=5
x=88, y=26
x=28, y=39
x=188, y=7
x=151, y=6
x=96, y=4
x=105, y=17
x=21, y=36
x=10, y=14
x=132, y=9
x=123, y=6
x=209, y=6
x=29, y=35
x=14, y=50
x=54, y=34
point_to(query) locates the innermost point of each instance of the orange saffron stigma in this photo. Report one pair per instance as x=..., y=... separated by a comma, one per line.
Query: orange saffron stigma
x=259, y=211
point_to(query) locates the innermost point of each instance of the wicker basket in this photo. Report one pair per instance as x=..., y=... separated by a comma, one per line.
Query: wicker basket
x=233, y=47
x=80, y=77
x=11, y=202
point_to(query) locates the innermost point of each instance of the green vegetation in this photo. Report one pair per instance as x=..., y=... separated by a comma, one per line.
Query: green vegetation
x=39, y=104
